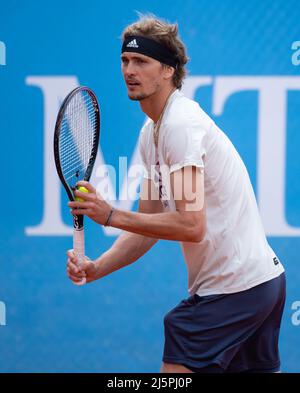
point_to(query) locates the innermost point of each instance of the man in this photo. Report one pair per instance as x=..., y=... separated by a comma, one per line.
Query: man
x=205, y=200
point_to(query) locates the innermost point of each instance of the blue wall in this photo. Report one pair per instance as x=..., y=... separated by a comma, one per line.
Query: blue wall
x=115, y=325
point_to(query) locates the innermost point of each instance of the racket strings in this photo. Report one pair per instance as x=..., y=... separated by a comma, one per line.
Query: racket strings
x=77, y=137
x=66, y=145
x=81, y=163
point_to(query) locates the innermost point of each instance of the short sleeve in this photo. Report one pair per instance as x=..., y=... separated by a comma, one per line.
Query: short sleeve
x=184, y=144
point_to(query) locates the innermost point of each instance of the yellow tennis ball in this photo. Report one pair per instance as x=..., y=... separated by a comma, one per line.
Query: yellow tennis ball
x=81, y=189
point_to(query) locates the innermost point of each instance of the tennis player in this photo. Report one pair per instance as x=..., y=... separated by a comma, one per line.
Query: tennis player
x=197, y=191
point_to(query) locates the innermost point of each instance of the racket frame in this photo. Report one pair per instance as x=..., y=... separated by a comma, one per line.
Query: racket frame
x=78, y=220
x=78, y=235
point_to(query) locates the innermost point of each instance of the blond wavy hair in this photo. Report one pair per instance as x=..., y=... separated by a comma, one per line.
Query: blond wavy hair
x=166, y=34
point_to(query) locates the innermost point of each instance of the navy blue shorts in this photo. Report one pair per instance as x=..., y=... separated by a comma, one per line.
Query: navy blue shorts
x=235, y=332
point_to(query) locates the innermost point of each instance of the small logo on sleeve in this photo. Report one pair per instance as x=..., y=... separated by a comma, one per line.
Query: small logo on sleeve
x=275, y=260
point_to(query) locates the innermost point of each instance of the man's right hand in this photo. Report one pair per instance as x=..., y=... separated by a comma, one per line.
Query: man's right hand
x=77, y=272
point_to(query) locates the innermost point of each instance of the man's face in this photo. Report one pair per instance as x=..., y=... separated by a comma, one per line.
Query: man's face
x=143, y=75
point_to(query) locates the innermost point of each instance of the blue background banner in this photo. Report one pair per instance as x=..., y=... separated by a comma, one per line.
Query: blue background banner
x=244, y=71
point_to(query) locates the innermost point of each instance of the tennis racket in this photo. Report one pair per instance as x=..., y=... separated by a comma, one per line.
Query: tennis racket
x=76, y=138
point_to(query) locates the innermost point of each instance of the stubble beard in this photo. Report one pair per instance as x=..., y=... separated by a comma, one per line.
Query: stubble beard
x=138, y=97
x=142, y=96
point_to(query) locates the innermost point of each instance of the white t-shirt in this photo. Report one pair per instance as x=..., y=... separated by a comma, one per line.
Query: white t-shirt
x=234, y=254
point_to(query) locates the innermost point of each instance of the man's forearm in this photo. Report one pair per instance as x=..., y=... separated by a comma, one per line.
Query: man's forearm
x=168, y=226
x=126, y=249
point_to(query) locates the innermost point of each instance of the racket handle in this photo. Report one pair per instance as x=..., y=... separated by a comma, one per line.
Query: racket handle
x=78, y=246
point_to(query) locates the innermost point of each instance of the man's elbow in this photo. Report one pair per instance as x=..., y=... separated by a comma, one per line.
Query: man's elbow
x=194, y=227
x=196, y=234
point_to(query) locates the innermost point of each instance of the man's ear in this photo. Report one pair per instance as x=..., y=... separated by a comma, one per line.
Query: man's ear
x=168, y=71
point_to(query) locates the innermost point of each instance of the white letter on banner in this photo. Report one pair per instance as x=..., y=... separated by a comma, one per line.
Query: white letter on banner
x=192, y=83
x=2, y=53
x=271, y=142
x=55, y=89
x=2, y=314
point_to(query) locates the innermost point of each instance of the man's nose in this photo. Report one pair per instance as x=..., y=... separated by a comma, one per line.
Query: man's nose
x=130, y=69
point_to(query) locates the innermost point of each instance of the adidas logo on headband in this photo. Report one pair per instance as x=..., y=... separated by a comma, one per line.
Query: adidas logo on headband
x=132, y=44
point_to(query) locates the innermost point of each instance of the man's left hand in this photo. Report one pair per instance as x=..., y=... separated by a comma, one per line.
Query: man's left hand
x=94, y=206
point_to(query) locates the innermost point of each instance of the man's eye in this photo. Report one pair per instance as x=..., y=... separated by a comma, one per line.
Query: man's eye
x=140, y=61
